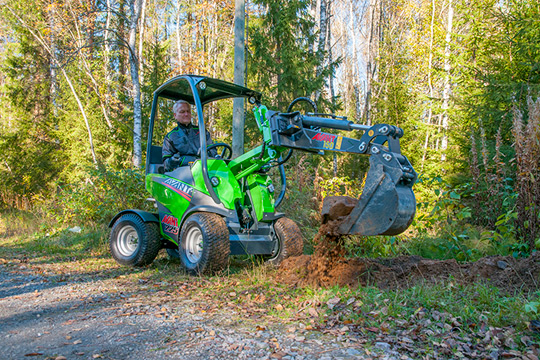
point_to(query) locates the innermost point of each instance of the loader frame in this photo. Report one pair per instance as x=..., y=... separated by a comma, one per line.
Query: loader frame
x=216, y=207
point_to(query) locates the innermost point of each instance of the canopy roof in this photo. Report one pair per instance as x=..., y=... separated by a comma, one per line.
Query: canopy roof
x=209, y=89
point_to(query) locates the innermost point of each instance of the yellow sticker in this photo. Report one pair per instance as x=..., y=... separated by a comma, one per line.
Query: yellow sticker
x=338, y=142
x=370, y=133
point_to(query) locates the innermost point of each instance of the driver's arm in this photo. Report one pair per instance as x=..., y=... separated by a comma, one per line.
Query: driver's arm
x=170, y=162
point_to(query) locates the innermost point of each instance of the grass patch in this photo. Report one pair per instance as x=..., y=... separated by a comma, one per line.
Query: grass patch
x=248, y=293
x=19, y=222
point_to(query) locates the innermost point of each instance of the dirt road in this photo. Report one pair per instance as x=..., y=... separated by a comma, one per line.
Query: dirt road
x=93, y=309
x=49, y=317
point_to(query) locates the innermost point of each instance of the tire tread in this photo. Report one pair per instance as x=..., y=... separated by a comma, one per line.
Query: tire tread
x=150, y=241
x=292, y=243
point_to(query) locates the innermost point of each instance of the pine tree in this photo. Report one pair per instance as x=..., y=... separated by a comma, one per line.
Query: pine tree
x=281, y=65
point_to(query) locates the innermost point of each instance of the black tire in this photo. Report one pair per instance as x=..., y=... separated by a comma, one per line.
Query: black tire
x=134, y=242
x=289, y=241
x=204, y=244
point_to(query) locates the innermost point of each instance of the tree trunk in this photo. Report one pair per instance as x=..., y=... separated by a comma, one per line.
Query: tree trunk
x=331, y=78
x=141, y=44
x=239, y=71
x=430, y=84
x=135, y=11
x=323, y=23
x=107, y=62
x=178, y=40
x=355, y=71
x=369, y=65
x=447, y=86
x=47, y=48
x=82, y=57
x=52, y=66
x=313, y=13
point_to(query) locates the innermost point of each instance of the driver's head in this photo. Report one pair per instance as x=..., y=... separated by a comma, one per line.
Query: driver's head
x=182, y=112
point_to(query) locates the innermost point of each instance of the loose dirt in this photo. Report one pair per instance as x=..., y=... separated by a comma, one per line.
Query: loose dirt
x=328, y=265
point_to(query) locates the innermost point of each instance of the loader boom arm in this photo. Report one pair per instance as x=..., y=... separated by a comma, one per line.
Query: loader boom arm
x=387, y=204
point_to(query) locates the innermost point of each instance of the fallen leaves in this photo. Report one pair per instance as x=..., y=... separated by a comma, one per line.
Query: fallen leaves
x=313, y=312
x=333, y=302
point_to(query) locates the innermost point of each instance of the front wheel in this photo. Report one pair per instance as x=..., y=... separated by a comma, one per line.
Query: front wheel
x=134, y=242
x=204, y=244
x=289, y=241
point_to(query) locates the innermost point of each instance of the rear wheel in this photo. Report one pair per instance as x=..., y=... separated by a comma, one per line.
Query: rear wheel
x=204, y=244
x=134, y=242
x=289, y=241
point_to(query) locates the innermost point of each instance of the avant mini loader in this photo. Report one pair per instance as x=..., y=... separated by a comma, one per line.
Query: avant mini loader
x=216, y=207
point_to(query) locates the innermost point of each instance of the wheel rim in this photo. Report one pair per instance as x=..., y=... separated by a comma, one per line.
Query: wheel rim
x=276, y=248
x=128, y=241
x=194, y=245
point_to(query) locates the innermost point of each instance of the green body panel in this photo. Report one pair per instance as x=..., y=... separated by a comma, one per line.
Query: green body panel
x=228, y=189
x=169, y=198
x=263, y=200
x=245, y=160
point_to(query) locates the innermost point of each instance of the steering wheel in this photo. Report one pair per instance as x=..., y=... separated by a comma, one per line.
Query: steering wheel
x=226, y=151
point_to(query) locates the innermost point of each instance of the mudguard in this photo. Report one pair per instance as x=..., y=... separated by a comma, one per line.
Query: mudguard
x=146, y=216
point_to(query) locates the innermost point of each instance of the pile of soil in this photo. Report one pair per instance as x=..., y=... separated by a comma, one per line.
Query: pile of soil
x=328, y=266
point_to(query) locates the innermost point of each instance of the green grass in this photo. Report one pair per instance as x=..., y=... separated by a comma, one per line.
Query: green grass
x=249, y=288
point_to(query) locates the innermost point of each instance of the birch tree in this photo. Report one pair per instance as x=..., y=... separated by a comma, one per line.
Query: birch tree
x=134, y=14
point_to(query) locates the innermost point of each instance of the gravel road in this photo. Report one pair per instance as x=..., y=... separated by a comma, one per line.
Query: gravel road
x=47, y=317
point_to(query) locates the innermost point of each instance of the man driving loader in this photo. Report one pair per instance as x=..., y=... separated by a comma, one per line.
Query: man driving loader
x=182, y=145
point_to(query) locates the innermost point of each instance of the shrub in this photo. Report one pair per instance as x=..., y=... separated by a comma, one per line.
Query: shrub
x=98, y=196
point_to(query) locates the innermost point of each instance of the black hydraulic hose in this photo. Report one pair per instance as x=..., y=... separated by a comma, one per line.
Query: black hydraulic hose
x=281, y=162
x=306, y=99
x=262, y=151
x=283, y=186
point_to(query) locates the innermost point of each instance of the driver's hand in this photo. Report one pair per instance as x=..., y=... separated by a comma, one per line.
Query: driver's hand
x=217, y=156
x=176, y=157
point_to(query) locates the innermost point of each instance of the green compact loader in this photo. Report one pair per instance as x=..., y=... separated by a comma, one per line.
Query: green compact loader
x=219, y=206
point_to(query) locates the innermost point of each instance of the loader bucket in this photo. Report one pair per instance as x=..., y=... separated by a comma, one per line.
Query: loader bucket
x=387, y=204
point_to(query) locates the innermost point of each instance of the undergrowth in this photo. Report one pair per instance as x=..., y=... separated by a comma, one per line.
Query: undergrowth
x=249, y=287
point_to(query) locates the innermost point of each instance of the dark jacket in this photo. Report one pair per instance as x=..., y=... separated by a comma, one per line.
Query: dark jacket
x=184, y=140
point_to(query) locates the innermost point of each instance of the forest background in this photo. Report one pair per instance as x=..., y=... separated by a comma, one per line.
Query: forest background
x=461, y=77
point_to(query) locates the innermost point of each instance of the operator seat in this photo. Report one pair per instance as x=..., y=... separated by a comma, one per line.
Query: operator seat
x=156, y=163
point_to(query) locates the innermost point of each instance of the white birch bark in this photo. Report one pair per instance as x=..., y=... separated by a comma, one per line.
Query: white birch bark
x=135, y=11
x=141, y=44
x=369, y=65
x=52, y=66
x=430, y=84
x=239, y=71
x=447, y=86
x=355, y=70
x=178, y=38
